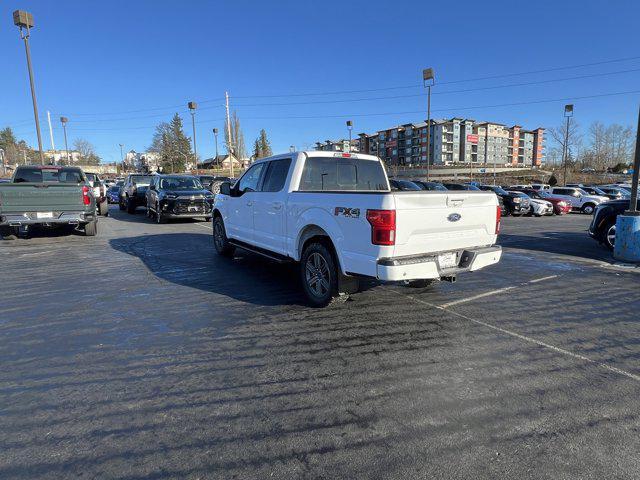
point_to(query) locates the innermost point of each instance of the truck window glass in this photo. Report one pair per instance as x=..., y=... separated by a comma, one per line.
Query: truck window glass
x=249, y=181
x=342, y=174
x=276, y=175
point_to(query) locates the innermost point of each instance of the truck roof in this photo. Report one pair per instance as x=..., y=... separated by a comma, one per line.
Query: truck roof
x=319, y=153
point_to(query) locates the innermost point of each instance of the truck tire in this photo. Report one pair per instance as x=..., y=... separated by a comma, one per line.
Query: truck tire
x=91, y=229
x=220, y=240
x=8, y=233
x=131, y=206
x=588, y=208
x=319, y=274
x=104, y=208
x=419, y=283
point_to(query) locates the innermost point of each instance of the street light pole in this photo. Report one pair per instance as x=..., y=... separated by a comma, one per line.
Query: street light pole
x=215, y=135
x=633, y=206
x=192, y=107
x=428, y=79
x=64, y=121
x=24, y=20
x=350, y=128
x=568, y=113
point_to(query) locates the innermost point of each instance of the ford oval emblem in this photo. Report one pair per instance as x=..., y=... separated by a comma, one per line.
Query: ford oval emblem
x=454, y=217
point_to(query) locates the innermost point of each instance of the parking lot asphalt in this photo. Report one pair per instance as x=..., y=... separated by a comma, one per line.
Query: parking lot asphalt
x=140, y=354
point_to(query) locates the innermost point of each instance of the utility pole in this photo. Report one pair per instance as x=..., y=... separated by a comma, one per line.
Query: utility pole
x=215, y=136
x=568, y=113
x=24, y=20
x=64, y=121
x=428, y=79
x=350, y=128
x=4, y=165
x=230, y=142
x=53, y=145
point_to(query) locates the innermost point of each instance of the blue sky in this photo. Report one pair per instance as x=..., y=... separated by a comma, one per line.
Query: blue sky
x=117, y=68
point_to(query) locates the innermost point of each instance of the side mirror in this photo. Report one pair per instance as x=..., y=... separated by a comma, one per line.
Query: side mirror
x=225, y=188
x=152, y=187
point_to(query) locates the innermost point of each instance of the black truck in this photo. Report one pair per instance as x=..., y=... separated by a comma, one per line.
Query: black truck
x=603, y=223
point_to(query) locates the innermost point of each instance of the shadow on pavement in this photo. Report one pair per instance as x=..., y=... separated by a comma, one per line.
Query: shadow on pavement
x=575, y=244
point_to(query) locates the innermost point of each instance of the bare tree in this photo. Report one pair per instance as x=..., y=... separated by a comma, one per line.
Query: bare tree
x=87, y=154
x=237, y=138
x=573, y=137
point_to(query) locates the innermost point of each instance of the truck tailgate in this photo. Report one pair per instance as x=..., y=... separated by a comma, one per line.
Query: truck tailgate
x=429, y=222
x=26, y=197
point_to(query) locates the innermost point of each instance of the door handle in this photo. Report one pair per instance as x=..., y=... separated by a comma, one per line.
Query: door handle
x=277, y=206
x=249, y=203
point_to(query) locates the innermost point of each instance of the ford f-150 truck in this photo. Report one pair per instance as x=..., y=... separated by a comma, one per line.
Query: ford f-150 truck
x=49, y=196
x=336, y=215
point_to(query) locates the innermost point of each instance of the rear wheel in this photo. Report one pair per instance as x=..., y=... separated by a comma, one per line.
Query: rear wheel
x=121, y=205
x=220, y=240
x=159, y=217
x=588, y=208
x=103, y=208
x=91, y=229
x=319, y=274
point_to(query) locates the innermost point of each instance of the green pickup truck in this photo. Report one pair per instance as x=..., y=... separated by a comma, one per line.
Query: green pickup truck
x=48, y=196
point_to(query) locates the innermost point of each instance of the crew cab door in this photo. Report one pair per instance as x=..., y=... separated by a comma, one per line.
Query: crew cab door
x=239, y=223
x=269, y=207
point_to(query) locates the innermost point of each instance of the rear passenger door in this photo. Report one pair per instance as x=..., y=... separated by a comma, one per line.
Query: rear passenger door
x=565, y=194
x=269, y=207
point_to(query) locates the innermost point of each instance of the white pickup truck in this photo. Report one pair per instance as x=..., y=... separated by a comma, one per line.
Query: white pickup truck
x=335, y=214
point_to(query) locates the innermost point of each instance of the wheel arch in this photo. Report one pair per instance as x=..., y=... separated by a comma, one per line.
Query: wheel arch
x=312, y=233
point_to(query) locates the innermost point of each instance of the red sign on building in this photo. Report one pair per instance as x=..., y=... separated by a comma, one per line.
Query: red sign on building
x=472, y=138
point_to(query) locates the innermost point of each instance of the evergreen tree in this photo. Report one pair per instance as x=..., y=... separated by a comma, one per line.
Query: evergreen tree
x=173, y=146
x=262, y=147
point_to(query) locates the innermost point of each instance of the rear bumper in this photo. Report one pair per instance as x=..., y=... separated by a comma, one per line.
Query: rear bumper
x=30, y=218
x=421, y=267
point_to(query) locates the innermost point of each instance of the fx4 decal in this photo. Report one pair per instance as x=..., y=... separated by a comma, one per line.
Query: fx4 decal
x=347, y=212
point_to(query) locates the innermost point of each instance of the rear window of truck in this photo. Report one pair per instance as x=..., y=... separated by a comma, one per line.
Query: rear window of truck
x=342, y=174
x=48, y=175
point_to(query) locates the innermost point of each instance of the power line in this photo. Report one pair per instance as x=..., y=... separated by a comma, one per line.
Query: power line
x=476, y=79
x=395, y=97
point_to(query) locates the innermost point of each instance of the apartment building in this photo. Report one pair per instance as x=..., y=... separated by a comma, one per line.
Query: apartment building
x=452, y=141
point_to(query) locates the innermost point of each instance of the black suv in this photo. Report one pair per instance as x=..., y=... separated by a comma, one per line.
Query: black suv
x=178, y=196
x=514, y=203
x=603, y=224
x=133, y=192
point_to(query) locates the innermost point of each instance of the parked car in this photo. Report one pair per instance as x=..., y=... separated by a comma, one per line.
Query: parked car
x=206, y=180
x=614, y=193
x=459, y=186
x=513, y=203
x=336, y=215
x=99, y=192
x=560, y=206
x=47, y=196
x=430, y=185
x=578, y=198
x=133, y=192
x=178, y=196
x=113, y=194
x=403, y=185
x=217, y=181
x=603, y=223
x=538, y=206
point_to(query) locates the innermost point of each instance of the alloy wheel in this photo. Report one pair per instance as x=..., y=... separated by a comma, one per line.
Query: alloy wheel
x=317, y=274
x=611, y=235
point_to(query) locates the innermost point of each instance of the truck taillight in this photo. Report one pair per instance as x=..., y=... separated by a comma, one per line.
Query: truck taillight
x=498, y=218
x=86, y=199
x=383, y=226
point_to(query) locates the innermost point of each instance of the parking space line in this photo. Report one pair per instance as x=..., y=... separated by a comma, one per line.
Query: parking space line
x=523, y=337
x=203, y=226
x=495, y=292
x=475, y=297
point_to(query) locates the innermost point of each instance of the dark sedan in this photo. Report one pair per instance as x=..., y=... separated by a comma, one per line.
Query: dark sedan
x=460, y=186
x=403, y=185
x=178, y=196
x=430, y=185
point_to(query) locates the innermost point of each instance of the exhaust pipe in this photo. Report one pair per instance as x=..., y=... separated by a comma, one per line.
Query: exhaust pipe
x=451, y=279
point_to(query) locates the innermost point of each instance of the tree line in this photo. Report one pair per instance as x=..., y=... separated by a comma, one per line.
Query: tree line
x=604, y=147
x=18, y=152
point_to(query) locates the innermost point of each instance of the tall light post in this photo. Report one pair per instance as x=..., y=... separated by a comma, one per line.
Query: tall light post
x=24, y=21
x=192, y=108
x=64, y=121
x=215, y=135
x=428, y=80
x=568, y=113
x=4, y=165
x=350, y=128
